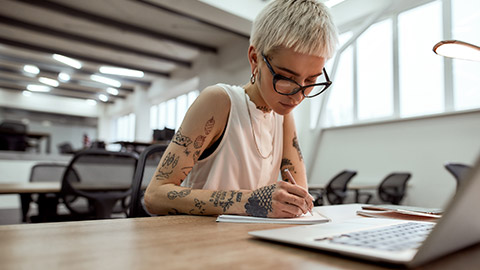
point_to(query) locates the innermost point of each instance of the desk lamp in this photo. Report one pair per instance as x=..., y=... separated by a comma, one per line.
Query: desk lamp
x=457, y=49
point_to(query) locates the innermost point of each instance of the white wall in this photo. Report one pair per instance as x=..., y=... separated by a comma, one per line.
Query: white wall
x=421, y=146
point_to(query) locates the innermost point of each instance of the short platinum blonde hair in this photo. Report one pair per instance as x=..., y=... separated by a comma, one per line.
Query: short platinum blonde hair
x=305, y=26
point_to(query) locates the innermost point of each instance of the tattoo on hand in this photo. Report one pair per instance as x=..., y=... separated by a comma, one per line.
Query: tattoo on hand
x=260, y=203
x=297, y=146
x=209, y=126
x=175, y=194
x=181, y=139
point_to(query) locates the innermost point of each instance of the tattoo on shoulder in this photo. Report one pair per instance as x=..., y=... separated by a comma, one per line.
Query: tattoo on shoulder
x=297, y=146
x=199, y=141
x=260, y=203
x=172, y=195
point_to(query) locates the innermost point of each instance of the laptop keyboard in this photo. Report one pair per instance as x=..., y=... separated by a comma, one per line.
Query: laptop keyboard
x=392, y=238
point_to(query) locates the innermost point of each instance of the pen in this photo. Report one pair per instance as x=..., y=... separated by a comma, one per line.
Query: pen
x=292, y=181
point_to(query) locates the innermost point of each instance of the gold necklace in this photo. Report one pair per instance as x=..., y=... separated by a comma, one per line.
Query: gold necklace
x=253, y=131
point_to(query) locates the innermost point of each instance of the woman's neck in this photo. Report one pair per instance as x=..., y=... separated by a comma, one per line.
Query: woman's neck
x=254, y=93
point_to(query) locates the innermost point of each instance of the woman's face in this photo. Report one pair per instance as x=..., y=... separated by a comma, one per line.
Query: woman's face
x=302, y=68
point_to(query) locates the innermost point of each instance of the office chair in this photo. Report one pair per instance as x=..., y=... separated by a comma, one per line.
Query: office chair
x=146, y=166
x=13, y=136
x=393, y=187
x=104, y=179
x=458, y=170
x=336, y=190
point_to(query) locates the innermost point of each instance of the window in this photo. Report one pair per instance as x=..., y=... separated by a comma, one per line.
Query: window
x=170, y=113
x=391, y=72
x=375, y=71
x=420, y=71
x=466, y=79
x=125, y=128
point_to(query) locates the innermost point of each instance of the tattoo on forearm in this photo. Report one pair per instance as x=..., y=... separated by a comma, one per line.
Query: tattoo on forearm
x=170, y=160
x=175, y=194
x=297, y=146
x=161, y=175
x=200, y=205
x=173, y=211
x=287, y=164
x=219, y=198
x=209, y=126
x=260, y=203
x=181, y=139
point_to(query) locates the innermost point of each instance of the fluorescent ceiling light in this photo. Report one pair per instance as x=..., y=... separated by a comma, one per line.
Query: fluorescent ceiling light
x=331, y=3
x=121, y=71
x=457, y=49
x=105, y=80
x=64, y=77
x=103, y=97
x=48, y=81
x=68, y=61
x=26, y=93
x=91, y=102
x=112, y=91
x=31, y=69
x=38, y=88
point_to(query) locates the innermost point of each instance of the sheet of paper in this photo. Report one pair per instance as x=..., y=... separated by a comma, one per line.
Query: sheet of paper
x=303, y=219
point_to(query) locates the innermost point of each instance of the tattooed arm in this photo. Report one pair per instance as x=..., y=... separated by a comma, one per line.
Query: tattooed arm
x=202, y=126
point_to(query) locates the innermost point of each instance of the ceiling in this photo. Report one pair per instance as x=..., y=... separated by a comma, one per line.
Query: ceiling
x=157, y=37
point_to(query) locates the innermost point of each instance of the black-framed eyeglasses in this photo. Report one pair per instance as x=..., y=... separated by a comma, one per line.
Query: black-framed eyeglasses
x=288, y=87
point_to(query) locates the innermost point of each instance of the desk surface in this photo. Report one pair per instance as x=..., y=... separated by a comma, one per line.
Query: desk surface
x=172, y=242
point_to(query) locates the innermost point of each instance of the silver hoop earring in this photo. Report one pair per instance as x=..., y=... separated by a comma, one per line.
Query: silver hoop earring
x=252, y=79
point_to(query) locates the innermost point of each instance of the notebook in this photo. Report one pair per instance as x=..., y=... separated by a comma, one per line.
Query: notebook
x=458, y=228
x=313, y=218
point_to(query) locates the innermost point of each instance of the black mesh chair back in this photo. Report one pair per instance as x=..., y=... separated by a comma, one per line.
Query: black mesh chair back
x=13, y=126
x=13, y=136
x=47, y=172
x=146, y=167
x=104, y=179
x=459, y=171
x=393, y=187
x=336, y=190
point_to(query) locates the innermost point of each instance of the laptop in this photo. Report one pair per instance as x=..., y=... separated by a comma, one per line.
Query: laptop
x=388, y=240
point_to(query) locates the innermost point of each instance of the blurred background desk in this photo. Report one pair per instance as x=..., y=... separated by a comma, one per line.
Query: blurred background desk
x=175, y=242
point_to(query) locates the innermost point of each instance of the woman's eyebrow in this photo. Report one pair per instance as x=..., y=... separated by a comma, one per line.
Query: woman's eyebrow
x=296, y=74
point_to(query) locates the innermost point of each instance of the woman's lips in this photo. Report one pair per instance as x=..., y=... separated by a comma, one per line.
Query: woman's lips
x=290, y=106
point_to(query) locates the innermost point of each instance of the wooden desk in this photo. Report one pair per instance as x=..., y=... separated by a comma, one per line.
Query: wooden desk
x=171, y=242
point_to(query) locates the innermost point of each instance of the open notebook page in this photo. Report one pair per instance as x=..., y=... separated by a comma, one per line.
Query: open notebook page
x=303, y=219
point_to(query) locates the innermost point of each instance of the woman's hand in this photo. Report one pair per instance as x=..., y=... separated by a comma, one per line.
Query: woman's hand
x=279, y=200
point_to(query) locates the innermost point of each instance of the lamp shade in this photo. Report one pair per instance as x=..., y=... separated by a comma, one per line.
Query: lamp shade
x=457, y=49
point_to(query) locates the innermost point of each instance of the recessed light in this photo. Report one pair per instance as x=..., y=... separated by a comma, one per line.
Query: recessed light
x=31, y=69
x=121, y=71
x=105, y=80
x=103, y=97
x=48, y=81
x=68, y=61
x=64, y=77
x=38, y=88
x=112, y=91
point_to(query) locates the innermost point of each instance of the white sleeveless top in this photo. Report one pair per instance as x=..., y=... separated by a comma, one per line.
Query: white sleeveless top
x=236, y=164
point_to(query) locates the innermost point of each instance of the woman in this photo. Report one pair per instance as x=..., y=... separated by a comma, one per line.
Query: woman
x=234, y=141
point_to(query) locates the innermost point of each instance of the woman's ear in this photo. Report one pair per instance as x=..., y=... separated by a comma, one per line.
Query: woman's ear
x=252, y=58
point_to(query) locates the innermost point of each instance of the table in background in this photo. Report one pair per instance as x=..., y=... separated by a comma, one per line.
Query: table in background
x=39, y=136
x=26, y=189
x=175, y=242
